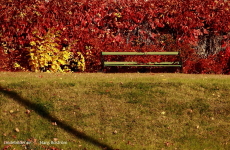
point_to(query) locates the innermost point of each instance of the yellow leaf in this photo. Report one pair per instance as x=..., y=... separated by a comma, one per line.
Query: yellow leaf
x=32, y=43
x=16, y=65
x=62, y=61
x=66, y=56
x=54, y=67
x=47, y=57
x=54, y=62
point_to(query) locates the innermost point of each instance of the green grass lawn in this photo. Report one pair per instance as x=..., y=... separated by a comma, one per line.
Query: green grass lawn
x=132, y=111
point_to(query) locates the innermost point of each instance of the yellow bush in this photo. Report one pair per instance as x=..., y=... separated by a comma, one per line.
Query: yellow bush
x=45, y=54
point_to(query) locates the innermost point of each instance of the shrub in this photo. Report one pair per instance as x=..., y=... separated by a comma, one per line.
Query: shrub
x=45, y=54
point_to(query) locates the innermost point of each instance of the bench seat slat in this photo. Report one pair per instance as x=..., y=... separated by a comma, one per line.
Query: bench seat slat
x=140, y=53
x=145, y=65
x=170, y=64
x=132, y=62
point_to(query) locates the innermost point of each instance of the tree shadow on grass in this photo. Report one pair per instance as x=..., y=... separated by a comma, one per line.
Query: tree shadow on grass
x=46, y=115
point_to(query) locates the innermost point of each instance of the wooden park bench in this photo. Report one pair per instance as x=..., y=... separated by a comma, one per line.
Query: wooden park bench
x=132, y=63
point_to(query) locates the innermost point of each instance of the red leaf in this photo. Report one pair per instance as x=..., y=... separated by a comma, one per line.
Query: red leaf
x=228, y=51
x=205, y=31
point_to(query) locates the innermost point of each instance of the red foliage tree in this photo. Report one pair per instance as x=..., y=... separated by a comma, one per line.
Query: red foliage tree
x=118, y=25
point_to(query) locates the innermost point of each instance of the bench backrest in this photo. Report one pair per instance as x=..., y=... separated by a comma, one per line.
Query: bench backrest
x=139, y=53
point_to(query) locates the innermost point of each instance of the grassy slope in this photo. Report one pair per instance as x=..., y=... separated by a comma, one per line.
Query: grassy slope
x=120, y=111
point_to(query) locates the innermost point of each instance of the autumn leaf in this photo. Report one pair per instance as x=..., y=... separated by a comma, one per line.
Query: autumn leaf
x=27, y=111
x=16, y=129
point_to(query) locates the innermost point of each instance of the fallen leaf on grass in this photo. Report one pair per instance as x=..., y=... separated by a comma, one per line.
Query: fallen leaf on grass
x=54, y=123
x=17, y=130
x=167, y=144
x=53, y=148
x=35, y=140
x=6, y=147
x=163, y=112
x=115, y=132
x=27, y=111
